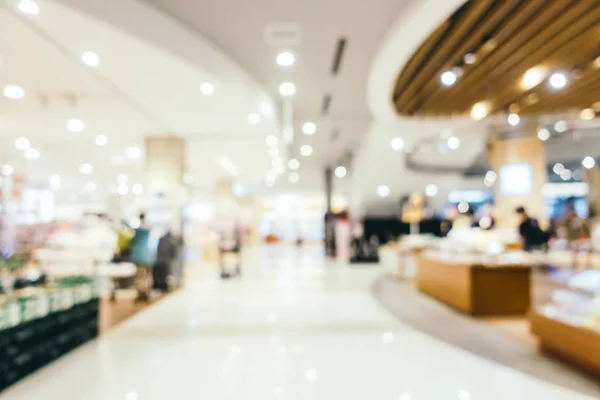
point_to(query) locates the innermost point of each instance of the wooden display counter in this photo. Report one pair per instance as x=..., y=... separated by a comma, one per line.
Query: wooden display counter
x=577, y=345
x=477, y=284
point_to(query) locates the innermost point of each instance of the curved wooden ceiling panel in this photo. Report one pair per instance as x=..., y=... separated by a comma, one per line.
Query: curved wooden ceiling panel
x=507, y=38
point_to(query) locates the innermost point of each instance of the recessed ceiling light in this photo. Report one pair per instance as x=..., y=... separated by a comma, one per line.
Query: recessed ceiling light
x=448, y=78
x=514, y=119
x=134, y=152
x=587, y=114
x=397, y=144
x=543, y=134
x=463, y=207
x=431, y=190
x=533, y=77
x=271, y=140
x=7, y=169
x=90, y=59
x=28, y=7
x=491, y=176
x=253, y=118
x=14, y=92
x=306, y=150
x=86, y=169
x=309, y=128
x=480, y=110
x=75, y=125
x=286, y=59
x=470, y=58
x=90, y=187
x=293, y=164
x=32, y=154
x=101, y=140
x=287, y=89
x=207, y=88
x=560, y=126
x=453, y=143
x=137, y=189
x=566, y=174
x=122, y=190
x=340, y=171
x=294, y=177
x=558, y=80
x=383, y=191
x=558, y=168
x=22, y=143
x=588, y=162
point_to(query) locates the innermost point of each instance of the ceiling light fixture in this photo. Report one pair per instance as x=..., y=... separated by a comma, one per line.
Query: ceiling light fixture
x=14, y=92
x=397, y=144
x=383, y=190
x=448, y=78
x=253, y=118
x=543, y=134
x=22, y=143
x=207, y=88
x=309, y=128
x=514, y=119
x=271, y=140
x=286, y=59
x=480, y=110
x=28, y=7
x=340, y=171
x=587, y=114
x=588, y=162
x=560, y=126
x=470, y=58
x=431, y=190
x=453, y=143
x=75, y=125
x=533, y=77
x=32, y=154
x=287, y=89
x=306, y=150
x=90, y=59
x=294, y=164
x=294, y=177
x=86, y=169
x=491, y=176
x=101, y=140
x=558, y=168
x=137, y=189
x=558, y=80
x=134, y=152
x=122, y=190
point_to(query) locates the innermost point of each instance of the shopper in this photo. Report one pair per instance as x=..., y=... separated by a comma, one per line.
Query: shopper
x=143, y=257
x=577, y=232
x=532, y=236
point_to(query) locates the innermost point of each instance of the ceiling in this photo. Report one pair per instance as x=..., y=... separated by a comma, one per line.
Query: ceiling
x=506, y=38
x=137, y=90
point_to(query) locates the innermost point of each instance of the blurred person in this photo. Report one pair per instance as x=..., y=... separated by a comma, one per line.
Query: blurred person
x=577, y=233
x=144, y=258
x=532, y=236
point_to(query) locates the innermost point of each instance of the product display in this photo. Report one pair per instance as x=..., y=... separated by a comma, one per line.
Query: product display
x=39, y=324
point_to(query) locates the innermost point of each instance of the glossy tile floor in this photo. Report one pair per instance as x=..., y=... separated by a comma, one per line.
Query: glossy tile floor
x=294, y=327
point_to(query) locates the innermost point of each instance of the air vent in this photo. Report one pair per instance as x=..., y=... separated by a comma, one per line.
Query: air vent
x=283, y=34
x=339, y=55
x=326, y=105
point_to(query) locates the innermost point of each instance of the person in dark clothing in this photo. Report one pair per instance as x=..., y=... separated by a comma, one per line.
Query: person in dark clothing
x=532, y=236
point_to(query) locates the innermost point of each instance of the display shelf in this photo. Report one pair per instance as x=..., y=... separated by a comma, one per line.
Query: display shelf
x=569, y=326
x=477, y=285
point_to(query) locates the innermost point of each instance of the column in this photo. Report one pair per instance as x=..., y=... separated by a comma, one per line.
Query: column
x=592, y=178
x=521, y=168
x=165, y=166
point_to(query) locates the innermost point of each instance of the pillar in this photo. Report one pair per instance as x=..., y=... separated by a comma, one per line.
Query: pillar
x=592, y=178
x=165, y=166
x=521, y=168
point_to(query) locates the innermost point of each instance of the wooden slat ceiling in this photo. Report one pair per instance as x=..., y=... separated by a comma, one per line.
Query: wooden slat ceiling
x=508, y=38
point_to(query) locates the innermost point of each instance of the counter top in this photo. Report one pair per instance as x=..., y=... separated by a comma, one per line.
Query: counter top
x=505, y=260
